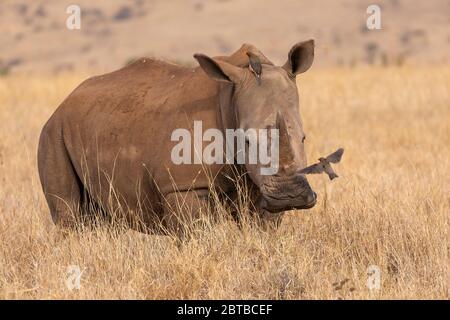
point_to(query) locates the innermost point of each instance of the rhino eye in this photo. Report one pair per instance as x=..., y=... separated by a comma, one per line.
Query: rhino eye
x=303, y=139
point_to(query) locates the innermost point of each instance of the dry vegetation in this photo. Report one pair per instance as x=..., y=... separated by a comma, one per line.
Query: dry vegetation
x=390, y=207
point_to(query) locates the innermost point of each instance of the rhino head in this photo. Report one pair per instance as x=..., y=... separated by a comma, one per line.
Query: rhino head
x=265, y=96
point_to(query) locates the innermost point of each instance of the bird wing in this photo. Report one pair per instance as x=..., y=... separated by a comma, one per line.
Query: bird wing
x=336, y=156
x=330, y=172
x=315, y=168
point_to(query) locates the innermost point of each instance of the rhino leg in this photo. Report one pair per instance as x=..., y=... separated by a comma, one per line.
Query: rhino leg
x=59, y=181
x=183, y=211
x=266, y=221
x=263, y=219
x=270, y=221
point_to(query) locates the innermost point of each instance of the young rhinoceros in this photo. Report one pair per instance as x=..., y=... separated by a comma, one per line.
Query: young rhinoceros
x=108, y=146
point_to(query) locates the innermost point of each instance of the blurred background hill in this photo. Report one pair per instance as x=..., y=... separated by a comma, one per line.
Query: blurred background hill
x=34, y=37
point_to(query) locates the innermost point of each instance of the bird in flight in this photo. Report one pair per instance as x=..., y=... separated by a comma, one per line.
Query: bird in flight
x=324, y=164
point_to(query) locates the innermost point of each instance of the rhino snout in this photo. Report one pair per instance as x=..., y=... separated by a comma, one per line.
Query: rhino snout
x=287, y=193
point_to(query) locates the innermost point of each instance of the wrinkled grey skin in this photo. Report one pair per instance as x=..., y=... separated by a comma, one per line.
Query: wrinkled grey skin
x=113, y=133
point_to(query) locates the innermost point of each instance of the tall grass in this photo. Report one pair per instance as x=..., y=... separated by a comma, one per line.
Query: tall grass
x=390, y=206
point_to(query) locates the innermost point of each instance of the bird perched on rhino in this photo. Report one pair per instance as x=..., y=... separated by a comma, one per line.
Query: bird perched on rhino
x=324, y=164
x=255, y=65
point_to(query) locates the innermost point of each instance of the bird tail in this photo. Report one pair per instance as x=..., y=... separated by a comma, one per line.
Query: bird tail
x=333, y=175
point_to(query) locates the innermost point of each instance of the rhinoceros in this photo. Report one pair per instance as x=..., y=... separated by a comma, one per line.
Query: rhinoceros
x=108, y=146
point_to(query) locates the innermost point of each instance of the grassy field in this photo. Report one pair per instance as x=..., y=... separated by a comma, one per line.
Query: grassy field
x=389, y=208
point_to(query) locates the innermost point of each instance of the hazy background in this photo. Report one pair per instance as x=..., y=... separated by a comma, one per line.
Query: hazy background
x=34, y=37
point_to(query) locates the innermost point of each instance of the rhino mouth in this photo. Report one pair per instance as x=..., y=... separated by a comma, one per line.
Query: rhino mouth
x=286, y=193
x=276, y=204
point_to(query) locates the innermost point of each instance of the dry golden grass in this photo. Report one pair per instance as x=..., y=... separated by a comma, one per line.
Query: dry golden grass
x=390, y=207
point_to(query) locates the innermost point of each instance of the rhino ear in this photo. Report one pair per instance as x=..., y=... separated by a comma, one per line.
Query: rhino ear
x=300, y=57
x=219, y=70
